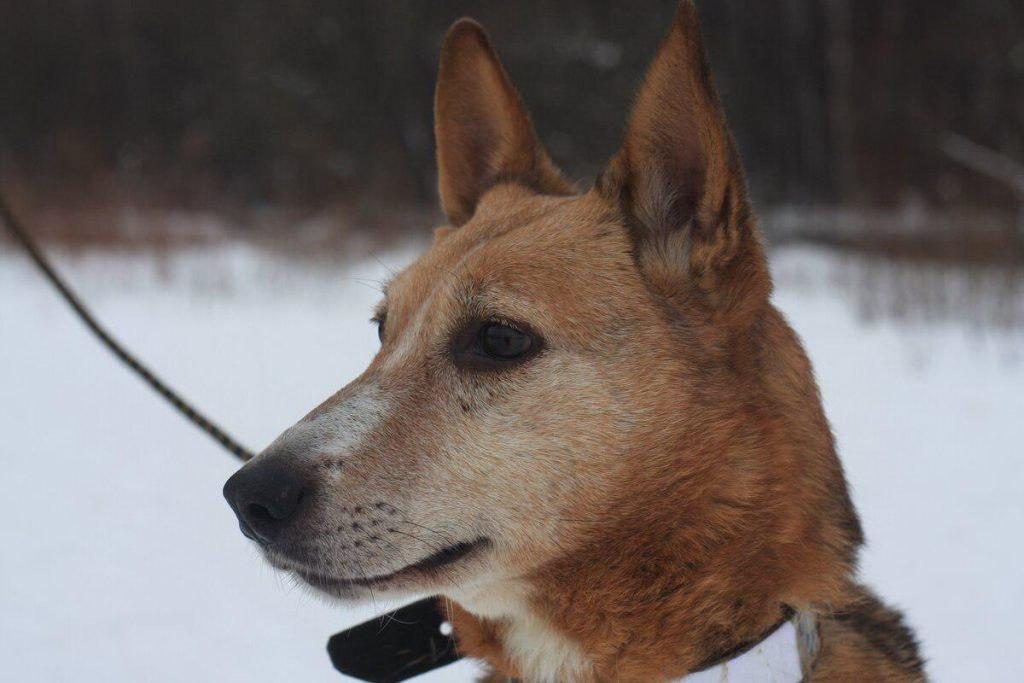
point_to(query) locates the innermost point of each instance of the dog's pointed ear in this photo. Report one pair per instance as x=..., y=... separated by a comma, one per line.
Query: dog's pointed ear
x=484, y=133
x=679, y=182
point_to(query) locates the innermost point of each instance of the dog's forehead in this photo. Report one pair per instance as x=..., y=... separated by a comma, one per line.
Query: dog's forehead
x=518, y=241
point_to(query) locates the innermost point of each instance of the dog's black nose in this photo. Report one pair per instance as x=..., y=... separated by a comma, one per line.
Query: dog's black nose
x=265, y=495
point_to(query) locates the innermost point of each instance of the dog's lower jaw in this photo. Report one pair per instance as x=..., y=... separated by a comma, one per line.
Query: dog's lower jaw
x=410, y=579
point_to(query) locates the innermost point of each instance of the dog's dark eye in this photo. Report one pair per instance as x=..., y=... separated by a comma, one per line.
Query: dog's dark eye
x=379, y=320
x=503, y=342
x=494, y=344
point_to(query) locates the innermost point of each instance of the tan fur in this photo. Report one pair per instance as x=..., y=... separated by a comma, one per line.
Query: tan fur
x=659, y=483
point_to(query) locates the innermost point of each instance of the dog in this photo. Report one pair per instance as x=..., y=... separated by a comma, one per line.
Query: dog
x=587, y=426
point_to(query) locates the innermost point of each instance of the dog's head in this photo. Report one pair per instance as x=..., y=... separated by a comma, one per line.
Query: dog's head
x=561, y=369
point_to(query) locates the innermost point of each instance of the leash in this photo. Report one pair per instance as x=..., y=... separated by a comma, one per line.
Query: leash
x=413, y=644
x=190, y=413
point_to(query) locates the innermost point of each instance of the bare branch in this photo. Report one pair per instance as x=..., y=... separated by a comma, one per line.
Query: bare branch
x=985, y=161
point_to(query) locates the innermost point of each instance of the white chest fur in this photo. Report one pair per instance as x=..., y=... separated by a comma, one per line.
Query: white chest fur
x=542, y=654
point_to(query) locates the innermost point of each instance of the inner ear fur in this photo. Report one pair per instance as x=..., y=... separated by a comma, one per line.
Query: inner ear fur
x=678, y=180
x=483, y=131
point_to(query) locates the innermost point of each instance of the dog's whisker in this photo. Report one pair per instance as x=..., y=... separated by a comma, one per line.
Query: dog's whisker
x=391, y=271
x=405, y=519
x=375, y=285
x=433, y=546
x=447, y=539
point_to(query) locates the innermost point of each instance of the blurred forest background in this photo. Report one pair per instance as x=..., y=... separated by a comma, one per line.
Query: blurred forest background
x=882, y=124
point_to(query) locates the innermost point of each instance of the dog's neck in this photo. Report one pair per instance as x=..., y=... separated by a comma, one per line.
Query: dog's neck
x=538, y=636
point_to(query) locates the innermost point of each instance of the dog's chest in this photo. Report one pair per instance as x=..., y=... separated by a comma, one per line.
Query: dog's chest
x=540, y=652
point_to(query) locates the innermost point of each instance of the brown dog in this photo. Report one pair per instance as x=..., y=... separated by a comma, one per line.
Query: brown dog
x=587, y=425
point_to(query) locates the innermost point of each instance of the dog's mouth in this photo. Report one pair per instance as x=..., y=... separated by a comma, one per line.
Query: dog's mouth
x=427, y=567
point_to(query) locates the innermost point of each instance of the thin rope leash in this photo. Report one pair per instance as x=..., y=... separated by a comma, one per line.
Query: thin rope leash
x=124, y=355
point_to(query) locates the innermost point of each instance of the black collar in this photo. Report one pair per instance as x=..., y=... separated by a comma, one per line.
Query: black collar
x=395, y=647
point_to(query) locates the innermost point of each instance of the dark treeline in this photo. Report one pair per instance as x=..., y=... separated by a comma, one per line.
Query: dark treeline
x=313, y=101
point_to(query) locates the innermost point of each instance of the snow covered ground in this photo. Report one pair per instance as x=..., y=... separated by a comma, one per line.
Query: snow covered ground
x=121, y=562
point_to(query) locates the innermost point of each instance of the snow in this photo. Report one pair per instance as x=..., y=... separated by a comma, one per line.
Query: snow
x=121, y=561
